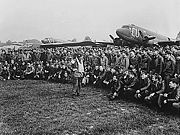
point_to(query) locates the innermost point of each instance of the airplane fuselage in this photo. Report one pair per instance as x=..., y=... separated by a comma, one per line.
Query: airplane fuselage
x=138, y=35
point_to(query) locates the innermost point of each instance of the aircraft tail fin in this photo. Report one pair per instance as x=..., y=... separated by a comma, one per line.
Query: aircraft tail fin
x=178, y=36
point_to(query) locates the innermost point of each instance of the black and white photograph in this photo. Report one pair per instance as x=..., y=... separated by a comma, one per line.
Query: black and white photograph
x=89, y=67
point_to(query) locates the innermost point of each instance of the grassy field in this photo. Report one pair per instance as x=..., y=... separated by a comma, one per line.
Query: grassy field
x=40, y=107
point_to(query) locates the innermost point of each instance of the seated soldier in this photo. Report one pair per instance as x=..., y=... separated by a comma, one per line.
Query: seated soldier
x=87, y=75
x=98, y=81
x=172, y=98
x=129, y=84
x=15, y=72
x=39, y=72
x=157, y=87
x=107, y=78
x=12, y=70
x=51, y=72
x=5, y=73
x=29, y=72
x=21, y=69
x=46, y=71
x=115, y=85
x=18, y=73
x=56, y=72
x=144, y=86
x=64, y=74
x=95, y=74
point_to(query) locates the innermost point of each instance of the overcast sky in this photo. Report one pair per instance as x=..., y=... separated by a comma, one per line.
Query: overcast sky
x=68, y=19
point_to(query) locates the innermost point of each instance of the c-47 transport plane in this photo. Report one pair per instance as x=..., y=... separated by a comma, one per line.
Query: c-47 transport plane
x=128, y=35
x=137, y=35
x=53, y=43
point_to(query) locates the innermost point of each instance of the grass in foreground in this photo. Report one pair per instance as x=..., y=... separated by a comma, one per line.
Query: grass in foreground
x=39, y=107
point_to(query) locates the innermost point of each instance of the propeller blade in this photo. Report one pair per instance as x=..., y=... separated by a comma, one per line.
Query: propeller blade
x=111, y=37
x=140, y=32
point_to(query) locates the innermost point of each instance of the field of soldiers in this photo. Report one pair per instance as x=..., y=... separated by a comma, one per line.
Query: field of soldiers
x=124, y=90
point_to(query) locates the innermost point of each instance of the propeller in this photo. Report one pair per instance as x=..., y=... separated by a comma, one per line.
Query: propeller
x=117, y=41
x=141, y=34
x=112, y=37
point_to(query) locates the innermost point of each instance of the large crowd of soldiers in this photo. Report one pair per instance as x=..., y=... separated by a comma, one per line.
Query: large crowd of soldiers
x=149, y=75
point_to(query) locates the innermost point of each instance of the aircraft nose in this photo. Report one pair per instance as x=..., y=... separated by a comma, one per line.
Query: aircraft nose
x=123, y=32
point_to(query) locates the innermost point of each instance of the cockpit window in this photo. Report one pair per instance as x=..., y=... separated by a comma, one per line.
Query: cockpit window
x=125, y=26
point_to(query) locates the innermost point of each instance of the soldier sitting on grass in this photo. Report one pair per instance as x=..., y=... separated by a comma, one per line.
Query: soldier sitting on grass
x=5, y=74
x=129, y=84
x=115, y=86
x=144, y=87
x=99, y=78
x=46, y=70
x=39, y=73
x=87, y=76
x=95, y=74
x=64, y=74
x=157, y=87
x=107, y=78
x=30, y=71
x=172, y=98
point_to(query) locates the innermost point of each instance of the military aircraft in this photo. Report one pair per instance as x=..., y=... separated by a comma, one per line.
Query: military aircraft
x=138, y=35
x=128, y=35
x=51, y=40
x=52, y=43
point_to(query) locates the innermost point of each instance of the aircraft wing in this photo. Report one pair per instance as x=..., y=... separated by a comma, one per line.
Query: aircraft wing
x=105, y=43
x=169, y=43
x=70, y=44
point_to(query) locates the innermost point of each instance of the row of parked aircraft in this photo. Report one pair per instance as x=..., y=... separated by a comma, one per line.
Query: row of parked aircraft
x=128, y=35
